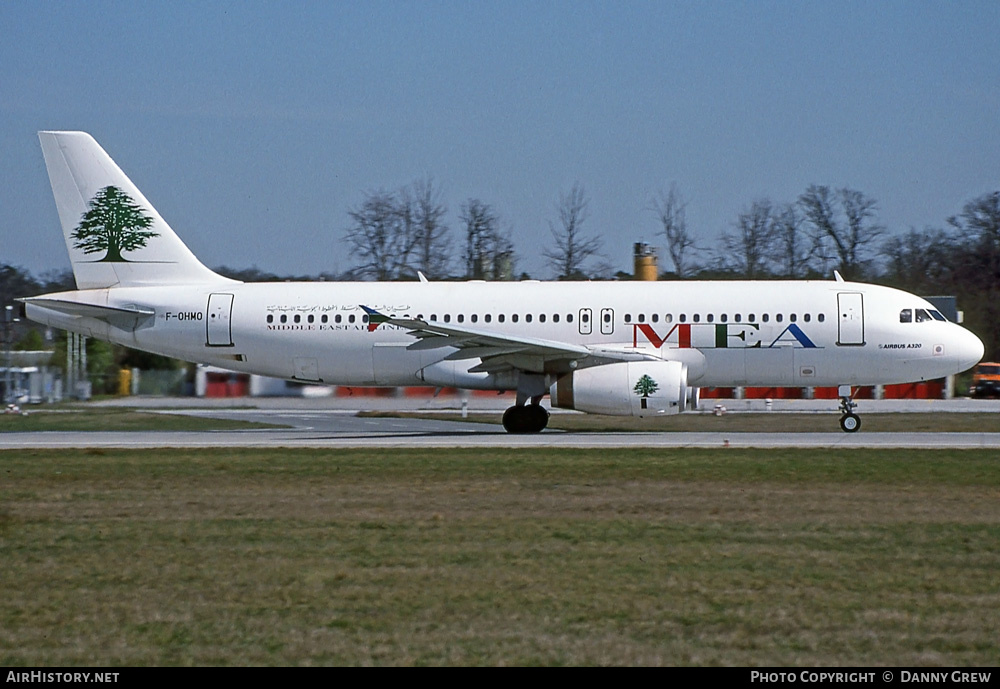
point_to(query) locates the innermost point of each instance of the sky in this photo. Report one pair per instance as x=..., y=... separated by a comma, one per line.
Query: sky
x=255, y=127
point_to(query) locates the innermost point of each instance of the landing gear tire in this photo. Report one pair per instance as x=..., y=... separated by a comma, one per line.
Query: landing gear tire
x=850, y=423
x=528, y=418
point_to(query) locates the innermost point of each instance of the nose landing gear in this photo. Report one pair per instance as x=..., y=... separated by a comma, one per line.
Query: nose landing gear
x=849, y=421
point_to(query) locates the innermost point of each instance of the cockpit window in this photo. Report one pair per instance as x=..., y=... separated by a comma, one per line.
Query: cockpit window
x=938, y=315
x=922, y=315
x=905, y=316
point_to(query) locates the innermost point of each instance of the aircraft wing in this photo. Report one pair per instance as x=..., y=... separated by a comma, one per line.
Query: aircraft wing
x=499, y=351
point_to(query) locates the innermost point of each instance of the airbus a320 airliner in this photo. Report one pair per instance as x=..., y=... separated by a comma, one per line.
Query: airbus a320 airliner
x=619, y=348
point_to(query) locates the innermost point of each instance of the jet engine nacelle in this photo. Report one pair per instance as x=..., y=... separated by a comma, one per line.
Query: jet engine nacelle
x=628, y=388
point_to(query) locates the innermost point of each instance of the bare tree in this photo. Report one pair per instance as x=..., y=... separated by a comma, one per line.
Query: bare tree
x=976, y=267
x=395, y=234
x=920, y=261
x=847, y=241
x=748, y=251
x=489, y=252
x=433, y=249
x=15, y=282
x=670, y=209
x=572, y=249
x=863, y=230
x=817, y=206
x=791, y=252
x=382, y=236
x=56, y=280
x=480, y=226
x=979, y=222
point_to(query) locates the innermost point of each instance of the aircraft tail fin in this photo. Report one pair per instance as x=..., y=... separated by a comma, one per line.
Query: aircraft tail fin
x=114, y=235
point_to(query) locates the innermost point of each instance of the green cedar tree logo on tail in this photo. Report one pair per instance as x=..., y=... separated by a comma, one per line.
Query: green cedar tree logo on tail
x=115, y=224
x=646, y=386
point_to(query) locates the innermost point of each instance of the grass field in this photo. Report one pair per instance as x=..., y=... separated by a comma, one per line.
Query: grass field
x=672, y=557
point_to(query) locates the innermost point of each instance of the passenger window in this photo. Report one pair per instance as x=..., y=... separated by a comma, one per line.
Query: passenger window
x=628, y=318
x=339, y=318
x=668, y=318
x=642, y=318
x=447, y=318
x=607, y=317
x=364, y=319
x=324, y=318
x=270, y=318
x=501, y=318
x=710, y=317
x=806, y=317
x=350, y=319
x=461, y=318
x=791, y=317
x=724, y=318
x=765, y=317
x=297, y=318
x=696, y=318
x=569, y=318
x=555, y=318
x=683, y=318
x=779, y=318
x=310, y=318
x=750, y=318
x=656, y=318
x=474, y=318
x=821, y=318
x=488, y=318
x=513, y=318
x=541, y=318
x=527, y=318
x=284, y=318
x=737, y=318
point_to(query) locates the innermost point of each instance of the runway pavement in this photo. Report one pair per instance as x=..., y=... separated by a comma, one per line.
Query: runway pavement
x=332, y=424
x=491, y=438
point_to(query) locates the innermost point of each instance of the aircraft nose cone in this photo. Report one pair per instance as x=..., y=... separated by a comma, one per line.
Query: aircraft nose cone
x=969, y=350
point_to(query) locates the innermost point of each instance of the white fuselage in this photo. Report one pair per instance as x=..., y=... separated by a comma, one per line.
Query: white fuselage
x=780, y=333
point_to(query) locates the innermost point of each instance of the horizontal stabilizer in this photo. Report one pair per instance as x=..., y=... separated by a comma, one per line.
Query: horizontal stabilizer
x=128, y=317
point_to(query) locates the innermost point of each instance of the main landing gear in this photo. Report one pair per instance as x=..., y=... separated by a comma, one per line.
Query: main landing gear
x=849, y=421
x=524, y=417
